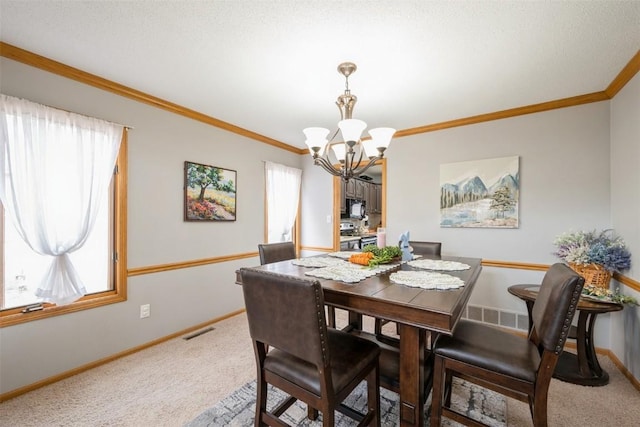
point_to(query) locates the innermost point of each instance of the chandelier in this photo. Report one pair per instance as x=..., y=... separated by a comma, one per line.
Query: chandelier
x=350, y=153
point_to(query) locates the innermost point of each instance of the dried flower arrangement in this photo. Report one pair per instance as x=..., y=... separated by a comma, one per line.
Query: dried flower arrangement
x=596, y=255
x=590, y=247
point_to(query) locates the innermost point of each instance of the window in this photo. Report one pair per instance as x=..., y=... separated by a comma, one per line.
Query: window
x=283, y=195
x=24, y=268
x=101, y=261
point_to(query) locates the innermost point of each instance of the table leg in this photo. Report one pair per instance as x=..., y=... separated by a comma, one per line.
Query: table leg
x=355, y=321
x=590, y=349
x=581, y=343
x=529, y=309
x=331, y=316
x=411, y=376
x=582, y=368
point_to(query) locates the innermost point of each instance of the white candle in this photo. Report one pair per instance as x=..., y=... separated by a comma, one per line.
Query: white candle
x=382, y=237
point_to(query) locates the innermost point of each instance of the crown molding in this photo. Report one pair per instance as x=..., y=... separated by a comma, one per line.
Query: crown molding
x=43, y=63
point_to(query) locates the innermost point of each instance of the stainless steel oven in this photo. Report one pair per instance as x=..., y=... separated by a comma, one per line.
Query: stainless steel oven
x=368, y=240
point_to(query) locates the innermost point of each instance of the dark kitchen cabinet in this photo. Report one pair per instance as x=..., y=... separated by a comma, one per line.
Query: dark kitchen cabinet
x=378, y=190
x=360, y=193
x=370, y=197
x=359, y=189
x=350, y=189
x=374, y=198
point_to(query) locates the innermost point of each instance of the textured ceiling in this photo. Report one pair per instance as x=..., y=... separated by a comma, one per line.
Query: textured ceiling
x=270, y=66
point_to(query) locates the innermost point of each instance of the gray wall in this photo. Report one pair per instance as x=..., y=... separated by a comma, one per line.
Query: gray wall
x=567, y=183
x=578, y=170
x=625, y=209
x=564, y=173
x=158, y=145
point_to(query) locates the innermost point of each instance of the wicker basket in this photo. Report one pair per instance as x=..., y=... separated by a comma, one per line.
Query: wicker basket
x=593, y=274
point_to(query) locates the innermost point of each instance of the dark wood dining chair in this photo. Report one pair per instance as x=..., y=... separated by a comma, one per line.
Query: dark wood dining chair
x=282, y=251
x=518, y=367
x=275, y=252
x=419, y=248
x=426, y=248
x=298, y=354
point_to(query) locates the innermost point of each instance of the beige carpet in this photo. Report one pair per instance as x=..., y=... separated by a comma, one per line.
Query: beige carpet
x=172, y=383
x=616, y=404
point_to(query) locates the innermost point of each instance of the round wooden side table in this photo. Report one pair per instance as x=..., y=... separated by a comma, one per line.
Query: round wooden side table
x=581, y=368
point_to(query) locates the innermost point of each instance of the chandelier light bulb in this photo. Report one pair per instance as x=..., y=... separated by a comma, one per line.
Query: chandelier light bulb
x=351, y=129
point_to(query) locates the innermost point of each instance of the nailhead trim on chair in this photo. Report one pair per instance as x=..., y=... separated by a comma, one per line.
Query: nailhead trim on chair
x=567, y=320
x=323, y=339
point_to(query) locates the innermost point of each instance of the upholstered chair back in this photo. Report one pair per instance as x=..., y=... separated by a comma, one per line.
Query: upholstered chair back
x=275, y=252
x=555, y=306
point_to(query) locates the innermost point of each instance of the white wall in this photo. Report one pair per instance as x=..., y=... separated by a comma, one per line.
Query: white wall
x=316, y=205
x=625, y=207
x=159, y=144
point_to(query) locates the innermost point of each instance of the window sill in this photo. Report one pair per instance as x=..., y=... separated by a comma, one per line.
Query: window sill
x=15, y=316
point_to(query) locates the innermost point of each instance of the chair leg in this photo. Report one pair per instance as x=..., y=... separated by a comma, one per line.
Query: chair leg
x=373, y=395
x=539, y=412
x=328, y=416
x=312, y=413
x=437, y=391
x=261, y=401
x=448, y=387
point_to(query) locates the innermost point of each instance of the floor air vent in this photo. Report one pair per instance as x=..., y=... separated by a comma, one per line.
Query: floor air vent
x=198, y=333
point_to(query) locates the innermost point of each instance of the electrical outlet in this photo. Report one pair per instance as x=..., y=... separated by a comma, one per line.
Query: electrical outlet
x=145, y=310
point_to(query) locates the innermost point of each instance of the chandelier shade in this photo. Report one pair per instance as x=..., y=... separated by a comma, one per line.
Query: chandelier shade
x=351, y=129
x=349, y=153
x=316, y=139
x=340, y=151
x=380, y=140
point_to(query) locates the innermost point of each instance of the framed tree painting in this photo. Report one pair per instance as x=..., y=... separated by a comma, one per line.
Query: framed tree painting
x=209, y=193
x=480, y=193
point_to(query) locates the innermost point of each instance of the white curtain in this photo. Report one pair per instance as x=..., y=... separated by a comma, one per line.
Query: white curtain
x=55, y=171
x=283, y=194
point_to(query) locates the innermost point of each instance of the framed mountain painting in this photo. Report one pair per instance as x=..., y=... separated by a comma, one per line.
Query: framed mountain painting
x=480, y=193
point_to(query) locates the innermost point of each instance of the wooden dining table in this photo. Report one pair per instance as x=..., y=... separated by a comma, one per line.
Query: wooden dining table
x=414, y=310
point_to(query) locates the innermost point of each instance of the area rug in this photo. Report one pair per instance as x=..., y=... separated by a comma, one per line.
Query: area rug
x=238, y=409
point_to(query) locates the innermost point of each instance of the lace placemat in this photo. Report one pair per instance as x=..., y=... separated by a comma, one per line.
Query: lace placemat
x=426, y=280
x=317, y=261
x=436, y=264
x=348, y=272
x=342, y=254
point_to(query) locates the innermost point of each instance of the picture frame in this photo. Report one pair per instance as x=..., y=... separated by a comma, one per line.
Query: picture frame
x=209, y=193
x=480, y=193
